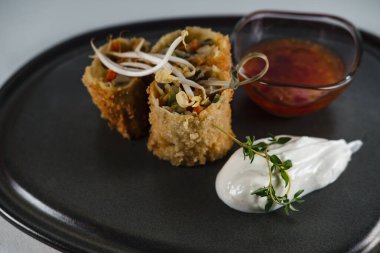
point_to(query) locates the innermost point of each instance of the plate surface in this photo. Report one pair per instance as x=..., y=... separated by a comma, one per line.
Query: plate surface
x=71, y=182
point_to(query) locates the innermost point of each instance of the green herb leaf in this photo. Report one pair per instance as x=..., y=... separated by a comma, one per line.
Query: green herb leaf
x=262, y=192
x=261, y=146
x=275, y=160
x=216, y=98
x=287, y=164
x=293, y=208
x=249, y=141
x=297, y=194
x=283, y=140
x=171, y=99
x=285, y=176
x=286, y=209
x=268, y=205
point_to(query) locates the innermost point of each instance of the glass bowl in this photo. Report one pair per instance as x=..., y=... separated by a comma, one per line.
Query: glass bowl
x=289, y=97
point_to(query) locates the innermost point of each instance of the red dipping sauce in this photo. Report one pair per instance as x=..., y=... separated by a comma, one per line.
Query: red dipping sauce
x=294, y=62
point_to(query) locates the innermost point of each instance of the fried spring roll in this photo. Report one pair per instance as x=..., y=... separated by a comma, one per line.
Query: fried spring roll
x=186, y=134
x=122, y=101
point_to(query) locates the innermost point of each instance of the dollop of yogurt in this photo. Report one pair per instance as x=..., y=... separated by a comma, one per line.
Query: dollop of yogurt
x=316, y=162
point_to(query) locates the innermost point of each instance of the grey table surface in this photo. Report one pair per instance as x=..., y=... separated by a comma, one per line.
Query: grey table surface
x=28, y=28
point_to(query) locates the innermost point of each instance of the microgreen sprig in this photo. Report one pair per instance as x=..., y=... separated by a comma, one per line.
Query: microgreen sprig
x=275, y=167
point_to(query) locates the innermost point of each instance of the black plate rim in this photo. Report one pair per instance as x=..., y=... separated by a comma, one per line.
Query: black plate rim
x=34, y=62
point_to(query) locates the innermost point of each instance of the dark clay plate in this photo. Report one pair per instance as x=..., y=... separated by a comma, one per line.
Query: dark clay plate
x=70, y=181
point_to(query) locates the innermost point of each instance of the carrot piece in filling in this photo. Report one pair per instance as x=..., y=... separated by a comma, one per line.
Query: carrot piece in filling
x=198, y=109
x=110, y=75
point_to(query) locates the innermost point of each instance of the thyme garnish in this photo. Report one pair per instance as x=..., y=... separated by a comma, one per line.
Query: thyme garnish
x=275, y=167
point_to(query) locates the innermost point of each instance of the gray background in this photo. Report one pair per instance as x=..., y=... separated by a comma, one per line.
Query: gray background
x=27, y=28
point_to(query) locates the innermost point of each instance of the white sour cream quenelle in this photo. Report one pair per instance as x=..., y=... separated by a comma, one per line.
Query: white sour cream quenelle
x=316, y=162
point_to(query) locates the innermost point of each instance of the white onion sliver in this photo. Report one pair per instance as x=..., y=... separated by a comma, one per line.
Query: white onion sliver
x=179, y=60
x=216, y=82
x=122, y=71
x=217, y=90
x=191, y=83
x=139, y=46
x=138, y=55
x=114, y=66
x=182, y=78
x=136, y=65
x=154, y=58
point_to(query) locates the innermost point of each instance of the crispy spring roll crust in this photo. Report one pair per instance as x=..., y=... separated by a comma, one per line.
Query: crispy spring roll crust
x=190, y=139
x=124, y=107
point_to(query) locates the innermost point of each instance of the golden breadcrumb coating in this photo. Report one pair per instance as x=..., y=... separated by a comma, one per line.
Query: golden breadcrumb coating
x=124, y=106
x=190, y=139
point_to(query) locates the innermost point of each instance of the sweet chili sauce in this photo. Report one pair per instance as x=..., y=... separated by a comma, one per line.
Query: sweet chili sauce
x=294, y=61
